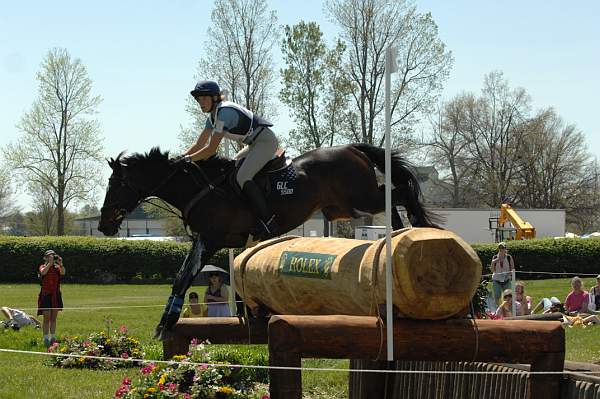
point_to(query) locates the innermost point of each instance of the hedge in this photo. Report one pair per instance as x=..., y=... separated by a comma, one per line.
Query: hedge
x=90, y=259
x=565, y=255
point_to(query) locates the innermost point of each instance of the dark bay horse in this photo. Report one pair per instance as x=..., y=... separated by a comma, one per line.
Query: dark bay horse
x=341, y=181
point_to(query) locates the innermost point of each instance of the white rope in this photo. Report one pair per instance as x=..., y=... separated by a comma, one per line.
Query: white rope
x=115, y=307
x=173, y=362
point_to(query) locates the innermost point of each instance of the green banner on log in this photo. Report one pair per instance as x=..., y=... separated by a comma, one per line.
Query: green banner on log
x=306, y=264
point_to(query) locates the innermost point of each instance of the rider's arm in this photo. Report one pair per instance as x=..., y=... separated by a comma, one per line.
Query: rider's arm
x=209, y=149
x=201, y=142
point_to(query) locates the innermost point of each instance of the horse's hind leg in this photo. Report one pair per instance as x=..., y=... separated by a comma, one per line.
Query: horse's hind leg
x=376, y=204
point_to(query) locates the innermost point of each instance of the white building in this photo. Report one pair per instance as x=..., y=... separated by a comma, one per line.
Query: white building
x=137, y=223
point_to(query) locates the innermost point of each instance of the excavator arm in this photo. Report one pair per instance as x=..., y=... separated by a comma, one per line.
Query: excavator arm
x=524, y=230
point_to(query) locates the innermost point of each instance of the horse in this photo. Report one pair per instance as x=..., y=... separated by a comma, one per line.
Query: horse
x=340, y=181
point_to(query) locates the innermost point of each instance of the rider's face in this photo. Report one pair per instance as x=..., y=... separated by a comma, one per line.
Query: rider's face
x=205, y=102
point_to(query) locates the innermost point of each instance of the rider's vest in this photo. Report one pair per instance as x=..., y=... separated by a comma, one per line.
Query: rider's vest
x=247, y=121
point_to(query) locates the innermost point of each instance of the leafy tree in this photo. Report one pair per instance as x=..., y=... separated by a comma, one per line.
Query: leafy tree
x=60, y=147
x=238, y=54
x=313, y=86
x=368, y=28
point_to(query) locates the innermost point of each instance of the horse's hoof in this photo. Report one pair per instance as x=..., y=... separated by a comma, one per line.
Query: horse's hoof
x=160, y=332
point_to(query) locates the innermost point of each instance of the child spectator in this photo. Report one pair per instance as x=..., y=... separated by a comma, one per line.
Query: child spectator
x=505, y=308
x=216, y=297
x=577, y=300
x=194, y=309
x=50, y=298
x=523, y=299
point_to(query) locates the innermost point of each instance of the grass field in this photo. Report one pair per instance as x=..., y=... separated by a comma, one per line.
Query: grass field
x=26, y=376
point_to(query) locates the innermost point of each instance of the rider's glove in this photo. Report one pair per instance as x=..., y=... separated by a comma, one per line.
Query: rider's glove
x=181, y=160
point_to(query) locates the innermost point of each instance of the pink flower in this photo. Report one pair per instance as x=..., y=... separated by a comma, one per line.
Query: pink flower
x=187, y=396
x=122, y=390
x=124, y=355
x=126, y=381
x=87, y=343
x=265, y=397
x=53, y=347
x=195, y=341
x=172, y=386
x=148, y=369
x=202, y=367
x=122, y=329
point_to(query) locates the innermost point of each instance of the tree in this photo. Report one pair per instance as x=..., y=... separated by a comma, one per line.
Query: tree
x=495, y=131
x=369, y=27
x=313, y=86
x=449, y=148
x=60, y=147
x=7, y=206
x=238, y=54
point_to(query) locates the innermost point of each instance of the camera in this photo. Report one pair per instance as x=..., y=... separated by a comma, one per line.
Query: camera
x=56, y=257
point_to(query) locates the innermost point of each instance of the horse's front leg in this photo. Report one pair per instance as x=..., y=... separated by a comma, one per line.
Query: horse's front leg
x=199, y=255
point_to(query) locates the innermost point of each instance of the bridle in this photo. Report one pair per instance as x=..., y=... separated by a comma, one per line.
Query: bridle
x=144, y=197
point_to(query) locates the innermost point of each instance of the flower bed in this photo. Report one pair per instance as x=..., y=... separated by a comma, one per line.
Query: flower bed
x=103, y=344
x=185, y=378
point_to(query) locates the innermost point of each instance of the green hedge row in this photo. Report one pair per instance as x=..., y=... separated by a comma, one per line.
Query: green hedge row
x=89, y=259
x=567, y=255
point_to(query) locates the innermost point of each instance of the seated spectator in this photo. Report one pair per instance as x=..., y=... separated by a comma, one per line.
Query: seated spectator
x=594, y=297
x=193, y=309
x=549, y=305
x=523, y=299
x=577, y=300
x=16, y=319
x=505, y=308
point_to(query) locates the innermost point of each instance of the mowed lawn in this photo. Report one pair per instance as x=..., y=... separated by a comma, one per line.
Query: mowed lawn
x=26, y=376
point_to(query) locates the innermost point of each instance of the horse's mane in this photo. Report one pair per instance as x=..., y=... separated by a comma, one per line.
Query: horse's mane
x=156, y=156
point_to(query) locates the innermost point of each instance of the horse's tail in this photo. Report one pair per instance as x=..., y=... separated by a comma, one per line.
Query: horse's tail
x=403, y=176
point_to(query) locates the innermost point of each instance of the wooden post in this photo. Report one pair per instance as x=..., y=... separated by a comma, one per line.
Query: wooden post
x=541, y=386
x=285, y=384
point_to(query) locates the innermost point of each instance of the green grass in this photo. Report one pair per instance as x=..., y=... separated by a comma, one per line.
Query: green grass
x=26, y=376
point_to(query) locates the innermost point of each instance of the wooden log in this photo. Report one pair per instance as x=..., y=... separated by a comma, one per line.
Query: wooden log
x=315, y=276
x=540, y=344
x=217, y=330
x=541, y=317
x=357, y=337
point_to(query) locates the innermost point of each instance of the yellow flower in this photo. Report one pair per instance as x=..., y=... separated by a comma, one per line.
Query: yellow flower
x=151, y=390
x=163, y=378
x=178, y=358
x=146, y=395
x=63, y=350
x=81, y=359
x=226, y=390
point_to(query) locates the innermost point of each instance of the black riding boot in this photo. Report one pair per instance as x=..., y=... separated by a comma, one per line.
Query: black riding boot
x=257, y=201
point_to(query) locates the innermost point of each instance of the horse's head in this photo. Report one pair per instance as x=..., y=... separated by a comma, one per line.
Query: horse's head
x=133, y=179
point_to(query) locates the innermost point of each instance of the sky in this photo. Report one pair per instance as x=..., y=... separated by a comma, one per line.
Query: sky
x=142, y=58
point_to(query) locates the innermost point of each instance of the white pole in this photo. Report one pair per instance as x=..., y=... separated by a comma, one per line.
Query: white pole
x=513, y=280
x=390, y=61
x=232, y=303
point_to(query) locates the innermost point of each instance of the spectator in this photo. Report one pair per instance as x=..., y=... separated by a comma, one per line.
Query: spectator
x=16, y=319
x=216, y=297
x=50, y=298
x=577, y=300
x=523, y=299
x=502, y=267
x=505, y=308
x=194, y=309
x=594, y=297
x=549, y=305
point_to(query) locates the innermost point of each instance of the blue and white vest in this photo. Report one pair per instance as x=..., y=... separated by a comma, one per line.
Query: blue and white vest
x=248, y=121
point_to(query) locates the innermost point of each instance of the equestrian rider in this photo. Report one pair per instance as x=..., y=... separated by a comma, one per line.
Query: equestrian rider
x=231, y=120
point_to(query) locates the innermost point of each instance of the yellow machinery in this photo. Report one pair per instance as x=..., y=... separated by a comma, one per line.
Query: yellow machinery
x=521, y=229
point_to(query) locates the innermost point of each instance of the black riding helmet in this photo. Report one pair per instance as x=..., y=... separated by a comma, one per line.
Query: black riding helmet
x=206, y=88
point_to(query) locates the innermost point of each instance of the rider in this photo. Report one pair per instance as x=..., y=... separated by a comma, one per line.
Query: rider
x=231, y=120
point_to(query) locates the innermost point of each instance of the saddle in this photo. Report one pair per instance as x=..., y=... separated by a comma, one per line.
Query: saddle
x=277, y=174
x=277, y=166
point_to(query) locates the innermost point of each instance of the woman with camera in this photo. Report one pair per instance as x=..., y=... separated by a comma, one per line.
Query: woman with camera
x=50, y=299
